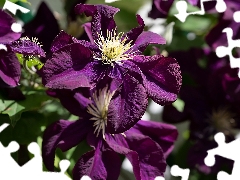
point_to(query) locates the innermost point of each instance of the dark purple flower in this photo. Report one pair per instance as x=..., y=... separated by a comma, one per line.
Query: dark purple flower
x=161, y=8
x=43, y=26
x=211, y=103
x=10, y=69
x=146, y=144
x=216, y=37
x=113, y=55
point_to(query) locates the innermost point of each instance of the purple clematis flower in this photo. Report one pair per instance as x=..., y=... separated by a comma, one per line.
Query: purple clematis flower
x=216, y=37
x=44, y=26
x=113, y=55
x=146, y=144
x=161, y=8
x=10, y=69
x=211, y=105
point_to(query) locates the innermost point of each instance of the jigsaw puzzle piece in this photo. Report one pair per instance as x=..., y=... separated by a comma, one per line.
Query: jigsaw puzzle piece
x=12, y=7
x=181, y=6
x=34, y=165
x=177, y=171
x=226, y=150
x=222, y=51
x=236, y=16
x=157, y=178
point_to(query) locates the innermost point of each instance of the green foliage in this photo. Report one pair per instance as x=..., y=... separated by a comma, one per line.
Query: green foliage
x=34, y=100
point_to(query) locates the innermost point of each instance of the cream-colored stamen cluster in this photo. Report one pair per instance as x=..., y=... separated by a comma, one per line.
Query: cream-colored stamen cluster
x=114, y=47
x=222, y=120
x=99, y=110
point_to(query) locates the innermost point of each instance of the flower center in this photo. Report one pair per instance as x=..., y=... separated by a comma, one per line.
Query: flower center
x=114, y=47
x=99, y=110
x=222, y=120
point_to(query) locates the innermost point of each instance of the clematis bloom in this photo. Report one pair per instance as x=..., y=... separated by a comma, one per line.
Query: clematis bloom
x=10, y=69
x=111, y=54
x=146, y=144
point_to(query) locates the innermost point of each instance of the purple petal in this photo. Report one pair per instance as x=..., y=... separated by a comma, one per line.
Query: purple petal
x=160, y=8
x=10, y=69
x=63, y=39
x=146, y=38
x=62, y=134
x=7, y=35
x=135, y=32
x=231, y=84
x=102, y=17
x=88, y=29
x=164, y=134
x=193, y=2
x=162, y=77
x=44, y=26
x=67, y=68
x=216, y=37
x=127, y=107
x=144, y=154
x=27, y=47
x=98, y=164
x=75, y=101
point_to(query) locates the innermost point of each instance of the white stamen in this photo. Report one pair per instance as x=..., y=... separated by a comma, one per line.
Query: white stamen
x=114, y=47
x=99, y=110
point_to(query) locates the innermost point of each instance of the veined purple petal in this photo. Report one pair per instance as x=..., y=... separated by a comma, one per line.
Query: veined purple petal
x=127, y=106
x=27, y=47
x=62, y=134
x=7, y=35
x=10, y=69
x=67, y=68
x=145, y=155
x=163, y=134
x=102, y=17
x=161, y=77
x=101, y=164
x=146, y=38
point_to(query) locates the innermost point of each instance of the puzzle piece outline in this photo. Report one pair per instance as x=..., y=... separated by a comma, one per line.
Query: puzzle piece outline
x=181, y=7
x=226, y=150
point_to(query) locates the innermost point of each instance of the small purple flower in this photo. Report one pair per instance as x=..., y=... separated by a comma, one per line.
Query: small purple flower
x=44, y=26
x=161, y=8
x=216, y=37
x=10, y=69
x=111, y=54
x=146, y=144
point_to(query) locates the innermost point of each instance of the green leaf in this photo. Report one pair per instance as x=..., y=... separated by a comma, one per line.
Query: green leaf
x=2, y=2
x=31, y=62
x=24, y=1
x=34, y=100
